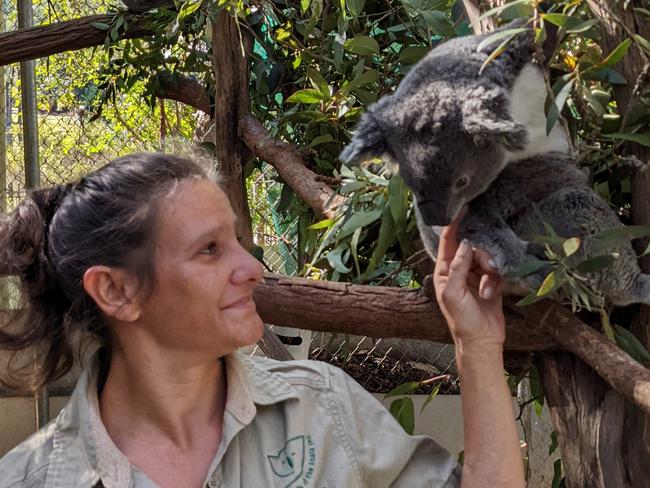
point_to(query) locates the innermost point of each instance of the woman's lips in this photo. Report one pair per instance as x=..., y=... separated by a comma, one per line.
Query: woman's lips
x=242, y=303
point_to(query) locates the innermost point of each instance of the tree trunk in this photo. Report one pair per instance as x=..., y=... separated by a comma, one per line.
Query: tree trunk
x=618, y=22
x=588, y=418
x=232, y=101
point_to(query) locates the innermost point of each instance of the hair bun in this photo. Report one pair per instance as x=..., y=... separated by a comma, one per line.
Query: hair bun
x=23, y=232
x=48, y=200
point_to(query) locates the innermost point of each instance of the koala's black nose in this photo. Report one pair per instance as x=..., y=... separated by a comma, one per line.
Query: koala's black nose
x=433, y=213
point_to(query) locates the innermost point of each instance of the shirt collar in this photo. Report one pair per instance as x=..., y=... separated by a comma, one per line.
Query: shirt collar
x=83, y=450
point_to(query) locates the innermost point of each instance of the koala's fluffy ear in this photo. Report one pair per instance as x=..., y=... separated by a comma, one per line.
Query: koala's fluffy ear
x=484, y=125
x=369, y=141
x=486, y=118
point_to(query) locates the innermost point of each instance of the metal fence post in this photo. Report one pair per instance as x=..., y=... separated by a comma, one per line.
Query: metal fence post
x=29, y=111
x=32, y=170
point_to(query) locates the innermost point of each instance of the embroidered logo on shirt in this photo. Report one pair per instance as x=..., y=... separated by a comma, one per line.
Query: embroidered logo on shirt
x=289, y=462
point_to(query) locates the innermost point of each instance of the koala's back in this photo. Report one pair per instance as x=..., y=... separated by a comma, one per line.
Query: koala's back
x=526, y=182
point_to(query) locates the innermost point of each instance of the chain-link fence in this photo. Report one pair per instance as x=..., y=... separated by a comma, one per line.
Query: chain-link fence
x=72, y=141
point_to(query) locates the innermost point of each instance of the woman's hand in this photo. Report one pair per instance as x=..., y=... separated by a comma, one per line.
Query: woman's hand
x=468, y=290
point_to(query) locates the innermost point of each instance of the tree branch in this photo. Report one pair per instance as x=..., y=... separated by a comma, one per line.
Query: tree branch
x=290, y=165
x=616, y=367
x=473, y=12
x=38, y=42
x=399, y=312
x=184, y=90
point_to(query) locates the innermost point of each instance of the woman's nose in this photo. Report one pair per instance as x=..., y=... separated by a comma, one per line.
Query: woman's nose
x=248, y=268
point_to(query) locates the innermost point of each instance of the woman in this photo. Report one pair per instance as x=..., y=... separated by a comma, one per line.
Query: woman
x=142, y=255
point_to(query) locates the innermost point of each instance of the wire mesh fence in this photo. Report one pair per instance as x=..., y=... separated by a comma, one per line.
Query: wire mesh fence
x=73, y=141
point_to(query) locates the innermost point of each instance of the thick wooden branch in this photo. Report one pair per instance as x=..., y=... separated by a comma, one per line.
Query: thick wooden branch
x=399, y=312
x=616, y=367
x=38, y=42
x=290, y=166
x=374, y=311
x=185, y=90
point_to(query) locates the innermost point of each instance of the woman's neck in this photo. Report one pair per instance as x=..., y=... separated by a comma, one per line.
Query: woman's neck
x=156, y=398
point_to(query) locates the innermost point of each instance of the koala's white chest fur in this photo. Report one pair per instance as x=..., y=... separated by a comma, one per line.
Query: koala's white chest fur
x=527, y=107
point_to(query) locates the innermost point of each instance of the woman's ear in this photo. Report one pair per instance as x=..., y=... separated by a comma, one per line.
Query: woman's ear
x=115, y=291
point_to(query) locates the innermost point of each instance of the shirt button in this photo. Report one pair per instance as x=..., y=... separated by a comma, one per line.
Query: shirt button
x=213, y=483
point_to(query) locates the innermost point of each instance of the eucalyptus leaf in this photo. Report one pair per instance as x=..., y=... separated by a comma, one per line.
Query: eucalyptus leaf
x=571, y=246
x=430, y=397
x=501, y=8
x=639, y=138
x=642, y=42
x=527, y=268
x=438, y=22
x=100, y=25
x=630, y=344
x=362, y=45
x=355, y=7
x=556, y=108
x=361, y=219
x=385, y=239
x=335, y=259
x=412, y=54
x=596, y=264
x=352, y=187
x=618, y=53
x=404, y=412
x=623, y=233
x=308, y=95
x=552, y=282
x=569, y=23
x=322, y=139
x=497, y=36
x=323, y=224
x=404, y=389
x=398, y=199
x=609, y=75
x=369, y=76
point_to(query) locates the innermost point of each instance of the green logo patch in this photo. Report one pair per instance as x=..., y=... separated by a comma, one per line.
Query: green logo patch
x=289, y=462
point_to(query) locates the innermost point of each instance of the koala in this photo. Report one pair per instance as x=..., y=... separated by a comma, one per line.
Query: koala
x=461, y=137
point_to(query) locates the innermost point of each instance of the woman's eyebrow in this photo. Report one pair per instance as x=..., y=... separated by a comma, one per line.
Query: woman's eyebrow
x=214, y=231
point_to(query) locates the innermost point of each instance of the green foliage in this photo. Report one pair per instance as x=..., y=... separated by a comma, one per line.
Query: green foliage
x=402, y=408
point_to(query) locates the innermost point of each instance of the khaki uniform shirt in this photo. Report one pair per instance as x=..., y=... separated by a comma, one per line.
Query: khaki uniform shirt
x=297, y=424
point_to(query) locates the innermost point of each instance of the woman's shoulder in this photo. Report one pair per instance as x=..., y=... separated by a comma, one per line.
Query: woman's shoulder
x=25, y=466
x=303, y=372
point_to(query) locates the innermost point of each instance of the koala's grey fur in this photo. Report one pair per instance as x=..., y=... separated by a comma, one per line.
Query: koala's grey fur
x=463, y=138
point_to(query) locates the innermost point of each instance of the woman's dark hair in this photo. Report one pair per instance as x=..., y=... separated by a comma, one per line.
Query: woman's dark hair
x=56, y=234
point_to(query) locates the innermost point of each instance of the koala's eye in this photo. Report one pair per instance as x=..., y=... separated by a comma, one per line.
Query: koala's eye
x=462, y=182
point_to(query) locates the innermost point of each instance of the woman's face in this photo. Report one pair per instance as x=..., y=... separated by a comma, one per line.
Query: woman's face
x=204, y=277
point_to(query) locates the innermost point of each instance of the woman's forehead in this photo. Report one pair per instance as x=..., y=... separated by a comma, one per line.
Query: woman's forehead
x=191, y=209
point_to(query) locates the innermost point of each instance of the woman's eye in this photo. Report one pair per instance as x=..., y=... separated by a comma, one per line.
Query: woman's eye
x=209, y=249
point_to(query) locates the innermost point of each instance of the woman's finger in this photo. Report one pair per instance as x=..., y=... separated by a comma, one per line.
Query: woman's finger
x=487, y=287
x=485, y=261
x=448, y=245
x=458, y=273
